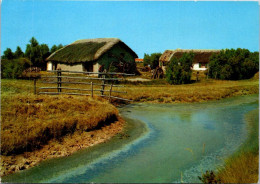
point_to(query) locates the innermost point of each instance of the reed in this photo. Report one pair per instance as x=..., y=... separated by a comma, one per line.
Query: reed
x=30, y=121
x=159, y=92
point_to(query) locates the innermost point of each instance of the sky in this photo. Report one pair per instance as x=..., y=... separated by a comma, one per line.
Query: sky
x=145, y=26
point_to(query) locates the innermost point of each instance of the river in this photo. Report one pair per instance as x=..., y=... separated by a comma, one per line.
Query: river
x=167, y=143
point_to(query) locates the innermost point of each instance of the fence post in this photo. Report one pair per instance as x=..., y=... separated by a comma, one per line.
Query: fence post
x=92, y=89
x=208, y=72
x=59, y=81
x=34, y=82
x=110, y=91
x=103, y=85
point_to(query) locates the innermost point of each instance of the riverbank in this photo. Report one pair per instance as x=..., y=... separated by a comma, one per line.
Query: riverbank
x=37, y=128
x=158, y=91
x=70, y=137
x=242, y=167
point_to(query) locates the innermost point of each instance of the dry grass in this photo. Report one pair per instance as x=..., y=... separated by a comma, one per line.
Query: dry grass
x=196, y=92
x=241, y=169
x=30, y=121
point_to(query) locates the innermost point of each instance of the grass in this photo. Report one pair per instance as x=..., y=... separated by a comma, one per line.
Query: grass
x=30, y=121
x=243, y=166
x=155, y=91
x=196, y=92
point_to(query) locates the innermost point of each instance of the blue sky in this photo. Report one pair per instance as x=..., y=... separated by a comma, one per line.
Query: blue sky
x=145, y=26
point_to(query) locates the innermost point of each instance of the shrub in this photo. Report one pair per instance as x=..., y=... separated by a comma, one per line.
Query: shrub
x=179, y=70
x=209, y=177
x=231, y=64
x=13, y=68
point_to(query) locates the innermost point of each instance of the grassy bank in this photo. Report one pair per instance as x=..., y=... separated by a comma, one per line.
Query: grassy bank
x=159, y=91
x=36, y=128
x=155, y=92
x=242, y=167
x=29, y=121
x=50, y=123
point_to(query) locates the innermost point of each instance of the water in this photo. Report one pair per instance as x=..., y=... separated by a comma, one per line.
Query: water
x=168, y=143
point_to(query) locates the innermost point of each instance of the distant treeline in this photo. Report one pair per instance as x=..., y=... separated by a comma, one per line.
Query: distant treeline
x=13, y=63
x=228, y=64
x=231, y=64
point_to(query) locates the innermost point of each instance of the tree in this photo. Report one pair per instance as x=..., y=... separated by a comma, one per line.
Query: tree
x=18, y=53
x=33, y=52
x=8, y=54
x=59, y=46
x=37, y=53
x=231, y=64
x=152, y=60
x=179, y=70
x=45, y=51
x=14, y=68
x=55, y=47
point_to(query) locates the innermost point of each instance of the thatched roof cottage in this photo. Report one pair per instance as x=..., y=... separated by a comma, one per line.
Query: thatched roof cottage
x=94, y=55
x=201, y=58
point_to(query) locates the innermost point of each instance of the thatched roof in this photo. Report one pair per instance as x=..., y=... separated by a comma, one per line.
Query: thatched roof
x=86, y=50
x=201, y=56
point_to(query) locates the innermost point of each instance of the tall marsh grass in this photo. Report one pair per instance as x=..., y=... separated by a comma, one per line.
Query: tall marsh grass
x=196, y=92
x=29, y=121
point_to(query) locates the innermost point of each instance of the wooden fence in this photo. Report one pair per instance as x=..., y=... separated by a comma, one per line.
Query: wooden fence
x=62, y=82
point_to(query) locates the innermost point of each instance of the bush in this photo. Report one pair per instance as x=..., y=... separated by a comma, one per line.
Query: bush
x=231, y=64
x=179, y=70
x=13, y=69
x=209, y=177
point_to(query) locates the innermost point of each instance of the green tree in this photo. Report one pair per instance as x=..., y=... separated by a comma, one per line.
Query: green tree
x=33, y=52
x=18, y=53
x=56, y=47
x=152, y=60
x=8, y=54
x=231, y=64
x=59, y=46
x=179, y=70
x=14, y=68
x=37, y=53
x=146, y=60
x=45, y=51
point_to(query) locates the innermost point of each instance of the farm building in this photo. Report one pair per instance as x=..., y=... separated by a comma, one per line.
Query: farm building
x=94, y=55
x=201, y=57
x=139, y=60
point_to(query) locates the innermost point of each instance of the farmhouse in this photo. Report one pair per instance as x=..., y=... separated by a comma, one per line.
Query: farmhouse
x=201, y=57
x=94, y=55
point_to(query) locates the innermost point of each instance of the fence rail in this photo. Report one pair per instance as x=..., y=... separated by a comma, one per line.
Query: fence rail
x=87, y=78
x=60, y=81
x=101, y=73
x=97, y=84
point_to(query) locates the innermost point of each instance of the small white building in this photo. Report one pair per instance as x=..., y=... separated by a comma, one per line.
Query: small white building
x=201, y=58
